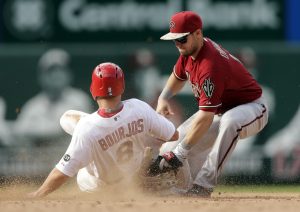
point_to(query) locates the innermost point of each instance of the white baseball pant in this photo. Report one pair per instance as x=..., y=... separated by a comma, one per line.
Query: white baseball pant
x=208, y=156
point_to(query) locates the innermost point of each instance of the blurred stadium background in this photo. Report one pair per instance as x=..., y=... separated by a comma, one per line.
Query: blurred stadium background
x=265, y=34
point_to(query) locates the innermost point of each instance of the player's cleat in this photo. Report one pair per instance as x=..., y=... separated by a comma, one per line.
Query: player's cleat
x=199, y=191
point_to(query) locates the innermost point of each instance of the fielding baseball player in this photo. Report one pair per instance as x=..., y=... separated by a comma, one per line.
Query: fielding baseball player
x=107, y=146
x=230, y=102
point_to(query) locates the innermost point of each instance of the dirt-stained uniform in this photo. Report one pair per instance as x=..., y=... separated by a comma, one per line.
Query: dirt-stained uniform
x=108, y=149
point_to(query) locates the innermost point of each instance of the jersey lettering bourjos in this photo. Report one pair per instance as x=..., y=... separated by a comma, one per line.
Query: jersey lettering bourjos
x=112, y=148
x=219, y=80
x=131, y=129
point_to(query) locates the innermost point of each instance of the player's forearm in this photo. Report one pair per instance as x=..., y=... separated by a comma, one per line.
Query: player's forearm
x=53, y=182
x=199, y=127
x=172, y=87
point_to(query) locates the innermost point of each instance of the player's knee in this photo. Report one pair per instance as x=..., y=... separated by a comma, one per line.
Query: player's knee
x=66, y=122
x=87, y=182
x=69, y=120
x=228, y=122
x=62, y=120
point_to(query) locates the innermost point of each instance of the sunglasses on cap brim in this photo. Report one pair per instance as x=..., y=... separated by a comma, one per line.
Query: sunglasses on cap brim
x=182, y=39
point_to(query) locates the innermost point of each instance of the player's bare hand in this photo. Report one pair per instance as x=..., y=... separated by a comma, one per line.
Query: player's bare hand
x=31, y=195
x=164, y=108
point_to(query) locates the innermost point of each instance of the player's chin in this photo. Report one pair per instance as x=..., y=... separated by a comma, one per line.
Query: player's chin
x=183, y=52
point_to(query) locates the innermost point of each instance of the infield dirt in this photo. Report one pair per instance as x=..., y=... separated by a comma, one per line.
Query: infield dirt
x=69, y=199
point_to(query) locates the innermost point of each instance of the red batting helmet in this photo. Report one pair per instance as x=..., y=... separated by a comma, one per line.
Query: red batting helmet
x=107, y=80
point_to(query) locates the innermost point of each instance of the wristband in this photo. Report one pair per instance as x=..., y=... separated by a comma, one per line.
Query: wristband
x=166, y=94
x=180, y=151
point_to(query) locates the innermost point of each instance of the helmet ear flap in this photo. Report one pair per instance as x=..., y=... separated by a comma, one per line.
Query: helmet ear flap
x=107, y=80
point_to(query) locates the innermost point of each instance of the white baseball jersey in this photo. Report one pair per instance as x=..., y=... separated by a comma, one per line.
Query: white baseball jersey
x=112, y=148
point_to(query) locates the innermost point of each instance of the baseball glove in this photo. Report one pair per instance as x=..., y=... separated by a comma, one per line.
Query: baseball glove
x=158, y=183
x=154, y=183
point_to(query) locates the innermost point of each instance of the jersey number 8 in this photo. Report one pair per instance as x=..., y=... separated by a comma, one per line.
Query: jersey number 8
x=125, y=152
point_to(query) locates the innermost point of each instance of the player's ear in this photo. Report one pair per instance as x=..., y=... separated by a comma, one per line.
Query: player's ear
x=198, y=32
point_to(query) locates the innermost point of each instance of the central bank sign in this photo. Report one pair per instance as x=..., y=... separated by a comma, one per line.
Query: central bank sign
x=136, y=20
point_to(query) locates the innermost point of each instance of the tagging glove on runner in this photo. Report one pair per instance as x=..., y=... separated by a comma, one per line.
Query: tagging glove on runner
x=168, y=161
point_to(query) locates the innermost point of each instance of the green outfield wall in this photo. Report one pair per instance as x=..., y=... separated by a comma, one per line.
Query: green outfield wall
x=278, y=65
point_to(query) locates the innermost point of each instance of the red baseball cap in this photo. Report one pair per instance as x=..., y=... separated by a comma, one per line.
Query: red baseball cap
x=183, y=23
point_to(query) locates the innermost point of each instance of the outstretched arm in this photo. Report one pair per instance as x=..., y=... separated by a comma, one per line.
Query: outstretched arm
x=172, y=160
x=54, y=180
x=200, y=126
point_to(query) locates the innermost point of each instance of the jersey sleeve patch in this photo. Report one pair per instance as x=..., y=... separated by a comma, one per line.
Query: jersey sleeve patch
x=208, y=87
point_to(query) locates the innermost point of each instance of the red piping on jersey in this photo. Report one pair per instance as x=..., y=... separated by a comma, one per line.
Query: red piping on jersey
x=178, y=76
x=234, y=139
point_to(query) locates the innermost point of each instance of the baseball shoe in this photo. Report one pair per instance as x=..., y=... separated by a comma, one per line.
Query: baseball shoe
x=199, y=191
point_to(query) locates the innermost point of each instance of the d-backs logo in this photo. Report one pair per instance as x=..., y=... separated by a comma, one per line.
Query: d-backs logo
x=208, y=87
x=172, y=24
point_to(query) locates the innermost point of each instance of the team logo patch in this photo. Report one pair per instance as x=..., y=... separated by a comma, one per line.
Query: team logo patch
x=208, y=87
x=67, y=157
x=172, y=24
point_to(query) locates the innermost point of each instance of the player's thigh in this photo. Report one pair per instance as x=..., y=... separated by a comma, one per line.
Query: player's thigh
x=248, y=119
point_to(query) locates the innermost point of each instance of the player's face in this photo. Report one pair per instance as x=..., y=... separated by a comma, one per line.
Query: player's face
x=188, y=45
x=182, y=45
